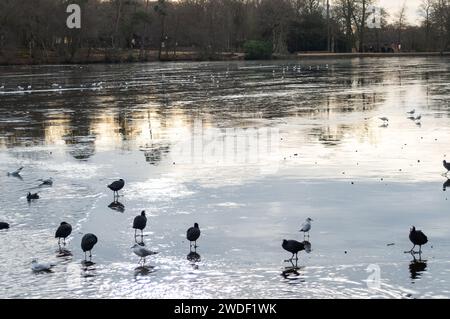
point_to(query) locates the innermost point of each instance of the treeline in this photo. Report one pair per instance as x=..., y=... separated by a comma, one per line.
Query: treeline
x=37, y=29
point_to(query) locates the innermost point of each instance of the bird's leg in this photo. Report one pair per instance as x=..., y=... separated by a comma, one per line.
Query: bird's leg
x=59, y=242
x=85, y=257
x=412, y=249
x=195, y=245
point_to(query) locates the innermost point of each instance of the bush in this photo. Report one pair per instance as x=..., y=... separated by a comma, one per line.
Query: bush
x=257, y=50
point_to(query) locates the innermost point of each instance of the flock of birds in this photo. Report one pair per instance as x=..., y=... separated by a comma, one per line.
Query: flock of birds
x=88, y=241
x=411, y=116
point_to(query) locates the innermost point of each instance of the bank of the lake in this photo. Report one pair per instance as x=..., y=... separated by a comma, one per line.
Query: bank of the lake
x=94, y=56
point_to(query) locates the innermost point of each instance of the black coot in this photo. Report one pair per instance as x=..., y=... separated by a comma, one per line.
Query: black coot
x=193, y=234
x=64, y=230
x=87, y=244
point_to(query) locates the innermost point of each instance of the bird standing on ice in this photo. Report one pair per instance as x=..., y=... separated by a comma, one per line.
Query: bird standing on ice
x=418, y=238
x=294, y=247
x=193, y=234
x=116, y=187
x=306, y=227
x=142, y=252
x=140, y=222
x=64, y=230
x=87, y=244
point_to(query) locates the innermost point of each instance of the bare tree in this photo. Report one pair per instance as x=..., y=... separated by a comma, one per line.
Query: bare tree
x=400, y=22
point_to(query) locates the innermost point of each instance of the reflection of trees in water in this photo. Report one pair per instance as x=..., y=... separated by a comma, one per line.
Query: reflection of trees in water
x=126, y=115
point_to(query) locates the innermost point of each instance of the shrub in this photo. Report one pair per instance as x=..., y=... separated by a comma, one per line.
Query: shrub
x=257, y=50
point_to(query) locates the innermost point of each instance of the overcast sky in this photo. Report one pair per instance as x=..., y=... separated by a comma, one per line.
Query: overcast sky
x=394, y=6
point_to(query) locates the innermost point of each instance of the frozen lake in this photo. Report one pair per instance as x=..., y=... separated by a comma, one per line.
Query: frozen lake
x=248, y=150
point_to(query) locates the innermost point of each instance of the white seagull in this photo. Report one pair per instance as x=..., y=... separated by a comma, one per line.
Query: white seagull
x=306, y=226
x=37, y=267
x=142, y=252
x=418, y=118
x=384, y=119
x=411, y=112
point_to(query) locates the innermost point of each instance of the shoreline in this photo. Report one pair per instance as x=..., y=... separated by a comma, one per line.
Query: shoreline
x=134, y=56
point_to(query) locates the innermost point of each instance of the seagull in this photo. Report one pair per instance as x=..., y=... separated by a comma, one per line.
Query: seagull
x=16, y=173
x=306, y=226
x=411, y=112
x=64, y=230
x=418, y=118
x=418, y=238
x=140, y=222
x=37, y=267
x=447, y=166
x=384, y=119
x=193, y=234
x=294, y=247
x=46, y=182
x=4, y=225
x=117, y=186
x=87, y=244
x=142, y=252
x=31, y=197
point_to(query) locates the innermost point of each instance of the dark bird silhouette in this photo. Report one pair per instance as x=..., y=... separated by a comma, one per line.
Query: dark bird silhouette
x=294, y=247
x=117, y=186
x=64, y=230
x=193, y=234
x=418, y=238
x=31, y=197
x=87, y=244
x=446, y=185
x=140, y=222
x=46, y=182
x=447, y=166
x=4, y=225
